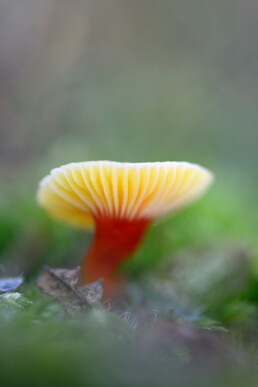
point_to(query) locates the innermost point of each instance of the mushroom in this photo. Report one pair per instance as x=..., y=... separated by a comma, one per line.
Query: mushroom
x=120, y=200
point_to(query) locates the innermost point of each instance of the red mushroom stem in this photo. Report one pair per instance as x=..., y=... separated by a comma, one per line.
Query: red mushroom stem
x=114, y=241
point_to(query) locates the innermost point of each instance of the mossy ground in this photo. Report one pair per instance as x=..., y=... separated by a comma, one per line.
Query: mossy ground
x=190, y=317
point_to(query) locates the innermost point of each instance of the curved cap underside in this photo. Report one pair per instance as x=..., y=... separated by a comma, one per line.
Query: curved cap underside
x=81, y=193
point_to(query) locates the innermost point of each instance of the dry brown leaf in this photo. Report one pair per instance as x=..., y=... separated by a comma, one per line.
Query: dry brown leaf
x=61, y=284
x=92, y=292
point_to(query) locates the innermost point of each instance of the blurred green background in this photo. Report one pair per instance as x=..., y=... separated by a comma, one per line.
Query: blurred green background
x=128, y=81
x=141, y=80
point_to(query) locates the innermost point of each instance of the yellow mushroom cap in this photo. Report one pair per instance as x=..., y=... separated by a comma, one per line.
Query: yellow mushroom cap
x=81, y=193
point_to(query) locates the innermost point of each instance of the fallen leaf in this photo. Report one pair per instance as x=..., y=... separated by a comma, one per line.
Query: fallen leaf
x=70, y=277
x=8, y=285
x=61, y=284
x=92, y=292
